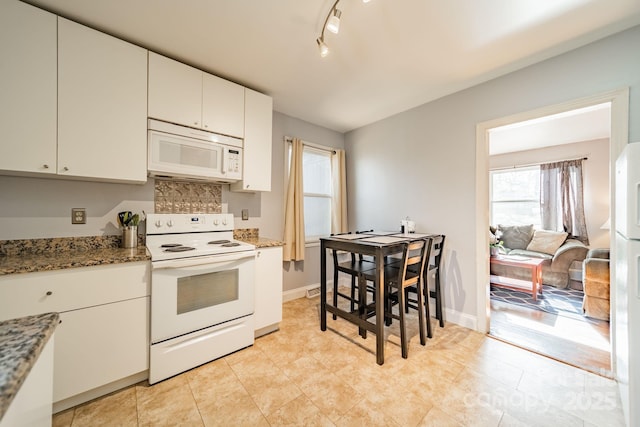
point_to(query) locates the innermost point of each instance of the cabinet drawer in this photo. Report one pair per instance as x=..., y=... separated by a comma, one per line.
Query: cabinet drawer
x=72, y=289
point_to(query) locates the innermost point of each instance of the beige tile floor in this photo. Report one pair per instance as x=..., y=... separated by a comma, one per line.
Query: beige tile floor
x=301, y=376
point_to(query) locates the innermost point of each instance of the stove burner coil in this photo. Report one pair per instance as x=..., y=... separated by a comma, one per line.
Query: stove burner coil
x=179, y=248
x=218, y=242
x=230, y=244
x=170, y=245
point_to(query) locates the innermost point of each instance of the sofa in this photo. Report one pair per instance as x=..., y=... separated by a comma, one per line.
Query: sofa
x=554, y=247
x=596, y=283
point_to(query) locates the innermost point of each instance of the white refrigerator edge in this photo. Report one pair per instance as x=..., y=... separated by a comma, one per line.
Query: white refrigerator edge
x=627, y=286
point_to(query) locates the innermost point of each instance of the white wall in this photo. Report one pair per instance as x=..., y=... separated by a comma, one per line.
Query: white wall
x=595, y=178
x=422, y=162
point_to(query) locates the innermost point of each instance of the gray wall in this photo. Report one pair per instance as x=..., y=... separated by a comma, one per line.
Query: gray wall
x=422, y=163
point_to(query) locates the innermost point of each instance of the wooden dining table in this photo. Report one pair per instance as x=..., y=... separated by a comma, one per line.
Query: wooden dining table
x=378, y=245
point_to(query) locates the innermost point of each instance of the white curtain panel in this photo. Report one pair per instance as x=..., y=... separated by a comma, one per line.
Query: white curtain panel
x=339, y=193
x=294, y=238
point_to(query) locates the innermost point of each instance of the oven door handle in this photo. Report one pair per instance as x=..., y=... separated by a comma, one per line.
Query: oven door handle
x=205, y=260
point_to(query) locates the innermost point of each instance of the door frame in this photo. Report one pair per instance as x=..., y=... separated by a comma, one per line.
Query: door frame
x=619, y=100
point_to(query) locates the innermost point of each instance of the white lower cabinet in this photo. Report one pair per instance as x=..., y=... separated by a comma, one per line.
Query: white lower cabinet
x=268, y=293
x=102, y=343
x=99, y=345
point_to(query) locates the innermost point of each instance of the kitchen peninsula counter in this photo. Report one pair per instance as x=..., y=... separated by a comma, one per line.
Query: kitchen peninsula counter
x=33, y=255
x=21, y=340
x=263, y=242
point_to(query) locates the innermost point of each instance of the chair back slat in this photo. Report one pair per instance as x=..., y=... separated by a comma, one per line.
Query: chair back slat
x=415, y=253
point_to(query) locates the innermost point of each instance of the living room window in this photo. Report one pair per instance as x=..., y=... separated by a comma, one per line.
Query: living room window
x=515, y=196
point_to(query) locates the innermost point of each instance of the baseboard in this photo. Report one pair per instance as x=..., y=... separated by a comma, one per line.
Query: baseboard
x=301, y=292
x=462, y=319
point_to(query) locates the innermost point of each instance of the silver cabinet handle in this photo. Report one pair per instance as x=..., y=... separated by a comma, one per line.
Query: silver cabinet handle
x=66, y=169
x=49, y=293
x=45, y=166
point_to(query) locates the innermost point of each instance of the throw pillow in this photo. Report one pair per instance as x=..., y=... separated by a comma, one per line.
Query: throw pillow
x=547, y=242
x=515, y=236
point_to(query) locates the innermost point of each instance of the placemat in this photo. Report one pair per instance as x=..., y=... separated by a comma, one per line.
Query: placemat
x=350, y=236
x=412, y=235
x=384, y=239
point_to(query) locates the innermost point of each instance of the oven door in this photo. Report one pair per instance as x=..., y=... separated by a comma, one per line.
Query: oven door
x=194, y=293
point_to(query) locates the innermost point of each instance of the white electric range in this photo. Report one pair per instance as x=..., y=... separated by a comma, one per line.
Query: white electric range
x=202, y=291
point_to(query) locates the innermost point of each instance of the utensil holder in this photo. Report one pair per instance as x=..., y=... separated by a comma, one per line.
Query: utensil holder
x=130, y=236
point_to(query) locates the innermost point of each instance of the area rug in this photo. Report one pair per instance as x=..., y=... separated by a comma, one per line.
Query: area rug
x=563, y=302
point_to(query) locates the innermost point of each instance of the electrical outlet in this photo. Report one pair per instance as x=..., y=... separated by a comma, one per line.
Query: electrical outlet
x=78, y=216
x=245, y=214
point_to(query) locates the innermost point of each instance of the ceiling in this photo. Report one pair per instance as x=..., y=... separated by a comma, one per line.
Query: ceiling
x=584, y=124
x=389, y=56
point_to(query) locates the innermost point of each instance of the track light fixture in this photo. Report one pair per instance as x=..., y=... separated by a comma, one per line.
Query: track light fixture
x=331, y=23
x=324, y=49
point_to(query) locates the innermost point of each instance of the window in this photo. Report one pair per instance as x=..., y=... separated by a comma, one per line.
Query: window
x=317, y=182
x=515, y=196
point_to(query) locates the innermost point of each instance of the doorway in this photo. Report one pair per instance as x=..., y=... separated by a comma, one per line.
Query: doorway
x=619, y=122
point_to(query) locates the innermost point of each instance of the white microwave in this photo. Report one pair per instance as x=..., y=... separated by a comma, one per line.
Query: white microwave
x=182, y=152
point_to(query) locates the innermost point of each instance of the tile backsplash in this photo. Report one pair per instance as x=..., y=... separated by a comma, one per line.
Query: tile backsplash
x=187, y=197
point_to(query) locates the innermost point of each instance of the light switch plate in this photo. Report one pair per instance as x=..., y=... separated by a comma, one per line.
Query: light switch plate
x=78, y=216
x=245, y=214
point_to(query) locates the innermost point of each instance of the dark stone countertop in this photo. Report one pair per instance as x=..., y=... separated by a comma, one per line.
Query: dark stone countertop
x=58, y=260
x=21, y=342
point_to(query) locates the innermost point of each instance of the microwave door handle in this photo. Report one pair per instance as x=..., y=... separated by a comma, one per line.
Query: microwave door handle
x=224, y=154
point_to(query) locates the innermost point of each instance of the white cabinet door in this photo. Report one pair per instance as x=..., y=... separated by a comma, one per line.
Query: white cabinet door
x=102, y=105
x=27, y=88
x=175, y=91
x=98, y=345
x=268, y=293
x=258, y=119
x=222, y=106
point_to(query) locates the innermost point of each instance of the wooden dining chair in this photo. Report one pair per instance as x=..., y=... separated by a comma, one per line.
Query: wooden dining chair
x=433, y=275
x=410, y=272
x=431, y=280
x=354, y=267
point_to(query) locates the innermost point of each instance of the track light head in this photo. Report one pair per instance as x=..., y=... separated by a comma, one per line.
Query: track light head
x=333, y=24
x=324, y=49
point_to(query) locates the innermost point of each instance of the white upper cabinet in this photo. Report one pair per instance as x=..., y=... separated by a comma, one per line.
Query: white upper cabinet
x=258, y=120
x=222, y=106
x=102, y=105
x=175, y=91
x=188, y=96
x=27, y=88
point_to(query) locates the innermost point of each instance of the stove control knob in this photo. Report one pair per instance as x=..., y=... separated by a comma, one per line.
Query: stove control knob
x=224, y=222
x=158, y=224
x=216, y=222
x=169, y=223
